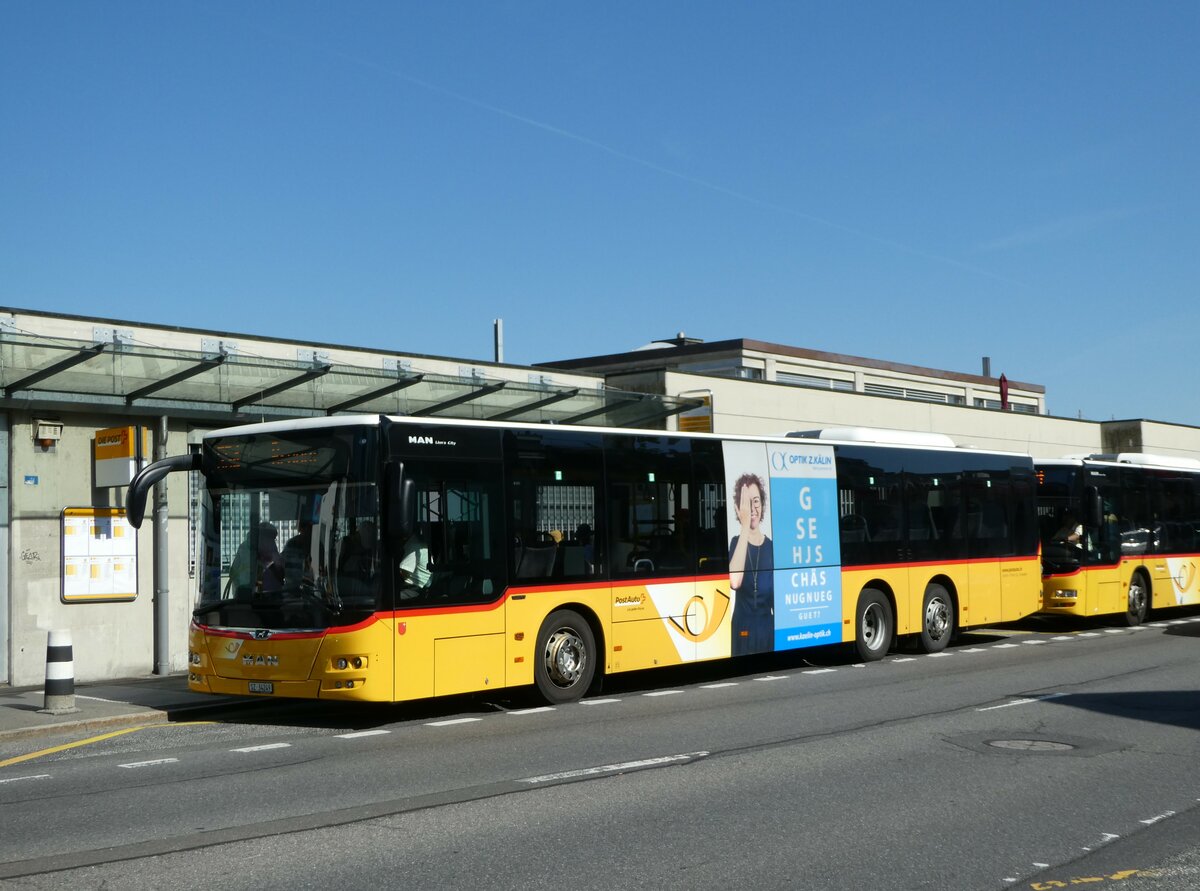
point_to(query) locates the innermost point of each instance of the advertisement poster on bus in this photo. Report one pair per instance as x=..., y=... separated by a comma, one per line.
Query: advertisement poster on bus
x=807, y=558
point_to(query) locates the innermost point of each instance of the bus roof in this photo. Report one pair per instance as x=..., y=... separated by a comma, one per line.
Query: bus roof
x=829, y=436
x=878, y=435
x=1140, y=459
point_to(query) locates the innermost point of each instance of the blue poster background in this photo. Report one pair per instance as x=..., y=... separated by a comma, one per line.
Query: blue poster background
x=807, y=549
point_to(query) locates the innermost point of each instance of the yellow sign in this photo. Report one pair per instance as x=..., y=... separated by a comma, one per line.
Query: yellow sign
x=118, y=453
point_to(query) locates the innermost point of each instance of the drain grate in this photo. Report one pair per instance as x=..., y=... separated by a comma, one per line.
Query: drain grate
x=1030, y=745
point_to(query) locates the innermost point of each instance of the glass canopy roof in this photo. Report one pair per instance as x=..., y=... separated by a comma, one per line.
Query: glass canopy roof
x=224, y=386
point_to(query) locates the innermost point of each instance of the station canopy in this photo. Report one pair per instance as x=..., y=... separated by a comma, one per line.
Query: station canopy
x=231, y=387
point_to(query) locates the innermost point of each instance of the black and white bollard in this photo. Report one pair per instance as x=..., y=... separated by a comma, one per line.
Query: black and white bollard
x=60, y=675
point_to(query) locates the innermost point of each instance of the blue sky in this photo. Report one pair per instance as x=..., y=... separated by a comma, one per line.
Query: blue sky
x=926, y=183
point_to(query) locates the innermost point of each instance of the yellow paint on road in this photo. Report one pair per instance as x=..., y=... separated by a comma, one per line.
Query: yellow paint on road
x=95, y=739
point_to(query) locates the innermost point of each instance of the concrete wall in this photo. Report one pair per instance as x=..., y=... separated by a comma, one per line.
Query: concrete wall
x=762, y=408
x=111, y=640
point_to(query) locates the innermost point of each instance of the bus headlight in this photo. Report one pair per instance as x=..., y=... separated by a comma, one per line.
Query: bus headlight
x=1066, y=594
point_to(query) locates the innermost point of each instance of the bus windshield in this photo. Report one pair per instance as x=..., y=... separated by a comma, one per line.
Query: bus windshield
x=1060, y=519
x=289, y=531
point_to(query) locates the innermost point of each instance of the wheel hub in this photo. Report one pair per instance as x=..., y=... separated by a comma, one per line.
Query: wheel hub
x=565, y=657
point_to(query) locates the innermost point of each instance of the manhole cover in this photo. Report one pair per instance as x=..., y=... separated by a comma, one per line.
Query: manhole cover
x=1030, y=745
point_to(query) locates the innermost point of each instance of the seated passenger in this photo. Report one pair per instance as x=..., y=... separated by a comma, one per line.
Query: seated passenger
x=1070, y=532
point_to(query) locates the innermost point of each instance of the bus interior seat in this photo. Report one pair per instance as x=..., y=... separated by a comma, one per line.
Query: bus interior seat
x=536, y=561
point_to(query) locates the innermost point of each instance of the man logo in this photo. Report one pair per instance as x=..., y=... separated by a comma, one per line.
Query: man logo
x=260, y=661
x=262, y=634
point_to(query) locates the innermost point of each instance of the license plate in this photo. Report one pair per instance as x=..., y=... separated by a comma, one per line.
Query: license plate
x=262, y=687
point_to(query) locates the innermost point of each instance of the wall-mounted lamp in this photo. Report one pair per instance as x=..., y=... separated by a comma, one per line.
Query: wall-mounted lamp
x=47, y=433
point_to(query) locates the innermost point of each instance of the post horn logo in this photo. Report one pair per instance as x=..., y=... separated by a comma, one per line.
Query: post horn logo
x=700, y=621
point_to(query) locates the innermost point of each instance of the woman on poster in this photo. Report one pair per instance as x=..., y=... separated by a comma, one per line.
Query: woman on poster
x=751, y=570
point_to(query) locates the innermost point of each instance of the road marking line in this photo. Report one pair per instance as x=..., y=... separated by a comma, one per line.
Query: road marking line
x=1032, y=642
x=1088, y=634
x=1041, y=865
x=1194, y=619
x=903, y=659
x=1114, y=630
x=974, y=650
x=597, y=701
x=1063, y=637
x=1025, y=701
x=94, y=739
x=39, y=776
x=937, y=655
x=1157, y=819
x=612, y=768
x=1176, y=622
x=150, y=763
x=532, y=711
x=663, y=693
x=453, y=721
x=772, y=677
x=263, y=748
x=718, y=686
x=820, y=671
x=361, y=733
x=1004, y=646
x=1156, y=625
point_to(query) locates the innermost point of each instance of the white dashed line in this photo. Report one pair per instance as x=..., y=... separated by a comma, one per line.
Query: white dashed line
x=1160, y=817
x=1088, y=634
x=663, y=693
x=453, y=721
x=1114, y=630
x=150, y=763
x=897, y=661
x=772, y=677
x=937, y=655
x=598, y=701
x=718, y=686
x=974, y=650
x=1032, y=642
x=37, y=776
x=1063, y=637
x=819, y=671
x=1025, y=701
x=358, y=734
x=1004, y=646
x=612, y=768
x=264, y=748
x=532, y=711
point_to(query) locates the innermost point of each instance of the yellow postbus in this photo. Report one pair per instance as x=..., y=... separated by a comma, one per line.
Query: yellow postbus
x=1120, y=534
x=395, y=558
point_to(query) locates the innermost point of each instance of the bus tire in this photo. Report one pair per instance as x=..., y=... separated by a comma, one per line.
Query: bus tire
x=937, y=619
x=874, y=625
x=565, y=659
x=1138, y=603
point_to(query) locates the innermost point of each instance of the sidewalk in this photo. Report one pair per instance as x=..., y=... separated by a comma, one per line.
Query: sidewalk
x=146, y=700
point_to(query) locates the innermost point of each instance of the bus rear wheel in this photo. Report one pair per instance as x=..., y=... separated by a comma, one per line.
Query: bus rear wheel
x=1139, y=600
x=874, y=625
x=566, y=657
x=937, y=619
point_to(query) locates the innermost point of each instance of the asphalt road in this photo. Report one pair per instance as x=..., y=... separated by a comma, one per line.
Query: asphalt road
x=1049, y=758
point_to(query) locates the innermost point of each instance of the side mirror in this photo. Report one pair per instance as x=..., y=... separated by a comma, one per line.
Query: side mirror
x=140, y=486
x=401, y=502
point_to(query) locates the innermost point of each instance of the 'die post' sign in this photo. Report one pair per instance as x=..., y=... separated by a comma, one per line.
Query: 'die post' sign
x=119, y=453
x=808, y=574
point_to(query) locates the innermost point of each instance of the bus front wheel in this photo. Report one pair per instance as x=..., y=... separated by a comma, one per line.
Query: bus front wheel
x=874, y=625
x=566, y=657
x=1139, y=600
